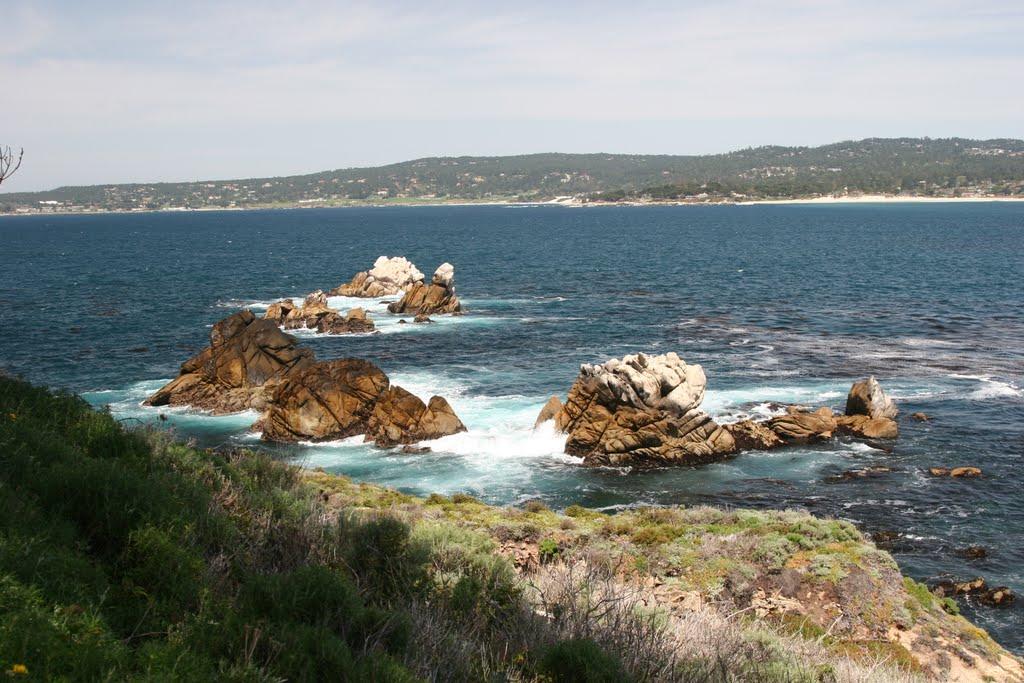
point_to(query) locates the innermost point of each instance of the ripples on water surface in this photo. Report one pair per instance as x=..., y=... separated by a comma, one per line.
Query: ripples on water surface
x=778, y=303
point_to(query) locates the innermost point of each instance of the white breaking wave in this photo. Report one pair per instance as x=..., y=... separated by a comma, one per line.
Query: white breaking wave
x=990, y=388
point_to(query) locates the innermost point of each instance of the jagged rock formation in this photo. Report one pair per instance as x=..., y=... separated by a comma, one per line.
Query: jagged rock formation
x=646, y=410
x=388, y=276
x=435, y=298
x=246, y=359
x=342, y=398
x=641, y=409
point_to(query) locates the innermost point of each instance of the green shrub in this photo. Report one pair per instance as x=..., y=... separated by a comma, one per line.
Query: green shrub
x=581, y=661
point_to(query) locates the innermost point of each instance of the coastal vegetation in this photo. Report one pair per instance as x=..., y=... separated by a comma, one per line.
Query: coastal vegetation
x=918, y=167
x=127, y=554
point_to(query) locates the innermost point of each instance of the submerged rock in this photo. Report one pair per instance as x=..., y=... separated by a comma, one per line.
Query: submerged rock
x=389, y=276
x=246, y=359
x=965, y=472
x=354, y=322
x=436, y=298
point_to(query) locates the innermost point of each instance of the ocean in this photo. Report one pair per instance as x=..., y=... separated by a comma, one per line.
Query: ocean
x=778, y=303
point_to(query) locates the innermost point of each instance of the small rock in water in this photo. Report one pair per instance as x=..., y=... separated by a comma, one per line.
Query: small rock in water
x=416, y=450
x=972, y=552
x=965, y=472
x=938, y=471
x=921, y=417
x=997, y=597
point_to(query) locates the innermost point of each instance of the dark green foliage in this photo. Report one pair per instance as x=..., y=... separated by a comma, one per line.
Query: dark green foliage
x=581, y=661
x=125, y=556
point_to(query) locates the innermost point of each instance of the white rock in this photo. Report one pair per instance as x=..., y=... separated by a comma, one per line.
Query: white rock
x=662, y=382
x=397, y=272
x=444, y=275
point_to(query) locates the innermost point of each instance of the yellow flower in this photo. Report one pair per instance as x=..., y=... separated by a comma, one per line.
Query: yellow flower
x=13, y=416
x=19, y=669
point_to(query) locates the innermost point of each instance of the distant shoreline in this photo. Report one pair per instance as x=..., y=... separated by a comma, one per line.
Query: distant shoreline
x=570, y=203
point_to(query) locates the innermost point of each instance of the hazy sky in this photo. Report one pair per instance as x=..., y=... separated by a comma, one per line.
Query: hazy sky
x=143, y=91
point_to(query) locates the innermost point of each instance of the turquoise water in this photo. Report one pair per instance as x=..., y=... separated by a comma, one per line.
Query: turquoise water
x=778, y=303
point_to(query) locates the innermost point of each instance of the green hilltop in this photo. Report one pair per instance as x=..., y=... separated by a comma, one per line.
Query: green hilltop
x=950, y=167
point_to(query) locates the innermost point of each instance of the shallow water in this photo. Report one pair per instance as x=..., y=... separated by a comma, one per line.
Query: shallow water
x=779, y=303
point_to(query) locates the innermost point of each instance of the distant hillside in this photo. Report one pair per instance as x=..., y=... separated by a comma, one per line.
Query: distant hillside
x=913, y=166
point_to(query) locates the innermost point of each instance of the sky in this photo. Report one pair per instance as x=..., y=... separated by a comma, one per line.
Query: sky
x=106, y=92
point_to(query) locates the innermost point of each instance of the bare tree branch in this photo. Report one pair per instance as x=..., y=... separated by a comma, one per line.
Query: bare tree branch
x=8, y=163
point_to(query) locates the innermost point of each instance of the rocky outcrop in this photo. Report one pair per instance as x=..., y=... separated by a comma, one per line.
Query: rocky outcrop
x=646, y=409
x=247, y=358
x=347, y=397
x=400, y=417
x=354, y=322
x=639, y=410
x=436, y=298
x=389, y=276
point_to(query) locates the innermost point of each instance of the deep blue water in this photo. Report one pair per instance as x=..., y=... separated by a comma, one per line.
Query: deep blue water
x=778, y=303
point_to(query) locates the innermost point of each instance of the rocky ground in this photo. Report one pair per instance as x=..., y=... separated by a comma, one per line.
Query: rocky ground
x=816, y=588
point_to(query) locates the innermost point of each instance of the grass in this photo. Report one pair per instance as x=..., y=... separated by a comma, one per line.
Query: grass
x=126, y=555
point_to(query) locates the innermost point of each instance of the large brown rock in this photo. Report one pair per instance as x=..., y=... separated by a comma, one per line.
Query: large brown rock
x=801, y=426
x=246, y=359
x=400, y=417
x=356, y=321
x=435, y=298
x=328, y=400
x=867, y=398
